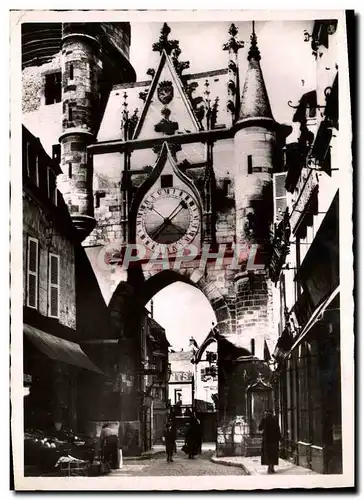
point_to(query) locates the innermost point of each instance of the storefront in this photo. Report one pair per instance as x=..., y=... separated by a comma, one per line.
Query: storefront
x=52, y=367
x=308, y=359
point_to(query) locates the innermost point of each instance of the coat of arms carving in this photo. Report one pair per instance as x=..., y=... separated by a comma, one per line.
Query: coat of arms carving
x=165, y=92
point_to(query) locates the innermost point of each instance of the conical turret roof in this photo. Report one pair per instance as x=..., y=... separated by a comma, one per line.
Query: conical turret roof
x=254, y=100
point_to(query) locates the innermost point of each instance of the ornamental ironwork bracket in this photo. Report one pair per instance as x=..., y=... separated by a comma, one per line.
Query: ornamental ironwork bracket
x=298, y=105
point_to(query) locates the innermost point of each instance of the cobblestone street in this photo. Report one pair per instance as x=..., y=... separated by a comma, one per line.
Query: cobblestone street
x=181, y=466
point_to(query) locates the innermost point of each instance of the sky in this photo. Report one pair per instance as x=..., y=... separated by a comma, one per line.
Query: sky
x=288, y=69
x=287, y=62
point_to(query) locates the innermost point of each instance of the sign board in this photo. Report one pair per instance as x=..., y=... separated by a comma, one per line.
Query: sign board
x=306, y=186
x=181, y=377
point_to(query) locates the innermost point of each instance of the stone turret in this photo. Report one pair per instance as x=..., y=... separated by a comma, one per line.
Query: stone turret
x=255, y=145
x=87, y=77
x=80, y=70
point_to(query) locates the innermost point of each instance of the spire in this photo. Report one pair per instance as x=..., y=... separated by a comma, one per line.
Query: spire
x=254, y=100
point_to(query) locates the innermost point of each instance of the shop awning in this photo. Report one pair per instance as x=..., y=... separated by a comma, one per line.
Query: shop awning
x=59, y=349
x=316, y=316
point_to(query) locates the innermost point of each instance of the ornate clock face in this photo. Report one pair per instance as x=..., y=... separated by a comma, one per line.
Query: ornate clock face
x=168, y=217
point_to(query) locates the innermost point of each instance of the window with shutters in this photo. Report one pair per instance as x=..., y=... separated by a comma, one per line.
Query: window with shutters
x=53, y=286
x=280, y=196
x=32, y=273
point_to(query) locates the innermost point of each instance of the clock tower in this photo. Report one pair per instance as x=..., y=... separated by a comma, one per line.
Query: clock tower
x=190, y=166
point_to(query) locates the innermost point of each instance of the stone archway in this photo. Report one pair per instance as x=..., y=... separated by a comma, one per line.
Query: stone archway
x=146, y=290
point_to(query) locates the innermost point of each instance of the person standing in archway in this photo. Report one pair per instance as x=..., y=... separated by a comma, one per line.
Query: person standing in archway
x=170, y=438
x=271, y=437
x=192, y=444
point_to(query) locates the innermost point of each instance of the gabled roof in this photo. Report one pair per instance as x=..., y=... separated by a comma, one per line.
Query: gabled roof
x=166, y=71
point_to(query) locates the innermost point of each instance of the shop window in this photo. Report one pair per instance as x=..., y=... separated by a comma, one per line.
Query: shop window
x=32, y=273
x=303, y=395
x=53, y=286
x=53, y=88
x=177, y=396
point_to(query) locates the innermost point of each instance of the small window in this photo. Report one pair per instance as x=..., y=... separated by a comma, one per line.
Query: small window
x=250, y=164
x=70, y=170
x=32, y=273
x=98, y=196
x=71, y=71
x=27, y=167
x=56, y=153
x=166, y=181
x=226, y=186
x=53, y=286
x=37, y=170
x=70, y=113
x=252, y=346
x=53, y=88
x=32, y=166
x=52, y=187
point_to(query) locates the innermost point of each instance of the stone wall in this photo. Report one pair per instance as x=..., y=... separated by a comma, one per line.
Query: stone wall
x=33, y=82
x=36, y=224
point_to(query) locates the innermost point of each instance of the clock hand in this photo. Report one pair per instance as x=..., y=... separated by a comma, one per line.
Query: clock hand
x=165, y=224
x=173, y=214
x=155, y=233
x=156, y=211
x=179, y=229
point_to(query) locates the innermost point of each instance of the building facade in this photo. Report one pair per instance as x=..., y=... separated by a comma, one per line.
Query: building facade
x=54, y=362
x=172, y=162
x=305, y=270
x=155, y=374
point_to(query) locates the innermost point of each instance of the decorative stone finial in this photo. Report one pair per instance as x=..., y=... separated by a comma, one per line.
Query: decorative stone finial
x=254, y=51
x=163, y=42
x=233, y=44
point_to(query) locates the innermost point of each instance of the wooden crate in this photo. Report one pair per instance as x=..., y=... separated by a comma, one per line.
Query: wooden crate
x=74, y=468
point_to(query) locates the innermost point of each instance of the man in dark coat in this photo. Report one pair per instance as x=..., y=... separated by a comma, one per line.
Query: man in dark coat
x=109, y=444
x=271, y=437
x=192, y=444
x=170, y=439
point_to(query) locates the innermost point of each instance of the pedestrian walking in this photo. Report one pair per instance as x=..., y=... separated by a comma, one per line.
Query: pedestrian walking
x=109, y=444
x=271, y=437
x=170, y=439
x=192, y=441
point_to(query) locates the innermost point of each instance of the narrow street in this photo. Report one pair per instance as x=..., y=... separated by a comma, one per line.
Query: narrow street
x=181, y=466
